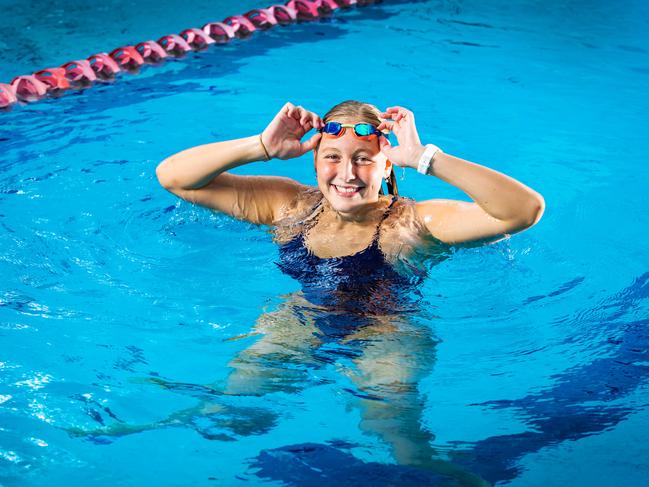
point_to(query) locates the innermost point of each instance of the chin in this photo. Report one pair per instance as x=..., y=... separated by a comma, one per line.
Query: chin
x=348, y=201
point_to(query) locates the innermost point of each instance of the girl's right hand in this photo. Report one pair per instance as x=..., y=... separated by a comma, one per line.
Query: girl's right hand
x=283, y=134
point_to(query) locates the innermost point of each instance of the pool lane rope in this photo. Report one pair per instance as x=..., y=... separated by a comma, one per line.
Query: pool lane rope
x=104, y=68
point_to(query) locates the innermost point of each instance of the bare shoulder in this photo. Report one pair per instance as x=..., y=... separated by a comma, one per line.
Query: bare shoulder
x=303, y=199
x=296, y=212
x=403, y=232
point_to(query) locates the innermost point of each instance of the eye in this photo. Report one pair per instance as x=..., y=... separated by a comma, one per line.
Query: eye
x=363, y=160
x=331, y=156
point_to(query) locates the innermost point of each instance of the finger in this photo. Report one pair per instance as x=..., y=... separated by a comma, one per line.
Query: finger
x=400, y=109
x=294, y=112
x=287, y=108
x=392, y=110
x=385, y=126
x=305, y=117
x=315, y=120
x=299, y=112
x=407, y=113
x=311, y=143
x=397, y=113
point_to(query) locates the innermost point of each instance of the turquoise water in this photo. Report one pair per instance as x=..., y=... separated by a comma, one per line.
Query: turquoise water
x=122, y=308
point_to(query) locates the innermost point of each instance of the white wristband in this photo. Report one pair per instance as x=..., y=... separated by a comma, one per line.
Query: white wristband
x=426, y=159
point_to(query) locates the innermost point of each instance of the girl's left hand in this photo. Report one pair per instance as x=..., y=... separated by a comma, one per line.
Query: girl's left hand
x=402, y=123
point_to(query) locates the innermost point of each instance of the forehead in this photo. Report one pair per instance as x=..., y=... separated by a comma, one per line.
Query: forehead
x=348, y=143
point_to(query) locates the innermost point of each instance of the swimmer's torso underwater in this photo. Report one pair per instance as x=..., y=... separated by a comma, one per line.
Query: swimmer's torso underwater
x=360, y=256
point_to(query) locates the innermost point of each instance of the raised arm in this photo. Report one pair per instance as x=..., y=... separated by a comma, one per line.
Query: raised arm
x=501, y=205
x=199, y=174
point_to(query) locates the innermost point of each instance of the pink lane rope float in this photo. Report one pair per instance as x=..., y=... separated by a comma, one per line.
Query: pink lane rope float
x=103, y=67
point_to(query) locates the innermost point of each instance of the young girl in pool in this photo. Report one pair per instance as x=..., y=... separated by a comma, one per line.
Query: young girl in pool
x=354, y=251
x=346, y=216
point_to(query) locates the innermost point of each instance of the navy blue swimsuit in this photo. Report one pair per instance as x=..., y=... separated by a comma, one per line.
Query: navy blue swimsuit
x=364, y=283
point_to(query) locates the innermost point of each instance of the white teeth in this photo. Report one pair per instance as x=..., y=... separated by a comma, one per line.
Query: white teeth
x=348, y=189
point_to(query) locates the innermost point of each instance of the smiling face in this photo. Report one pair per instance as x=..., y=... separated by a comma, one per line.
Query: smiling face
x=349, y=170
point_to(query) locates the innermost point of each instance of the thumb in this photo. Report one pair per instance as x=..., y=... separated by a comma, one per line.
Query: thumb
x=311, y=143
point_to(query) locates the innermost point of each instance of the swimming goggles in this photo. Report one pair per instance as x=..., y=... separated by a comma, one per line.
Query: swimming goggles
x=365, y=131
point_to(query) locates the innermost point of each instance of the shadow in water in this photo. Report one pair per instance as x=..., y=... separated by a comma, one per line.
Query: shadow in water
x=318, y=464
x=575, y=407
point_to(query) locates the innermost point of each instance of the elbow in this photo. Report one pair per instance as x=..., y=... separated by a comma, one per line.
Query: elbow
x=539, y=209
x=534, y=213
x=528, y=217
x=163, y=176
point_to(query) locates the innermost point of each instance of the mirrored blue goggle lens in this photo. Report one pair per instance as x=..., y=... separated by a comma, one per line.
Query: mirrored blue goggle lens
x=364, y=129
x=332, y=128
x=360, y=129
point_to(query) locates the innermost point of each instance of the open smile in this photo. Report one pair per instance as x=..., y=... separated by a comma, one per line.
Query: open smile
x=346, y=191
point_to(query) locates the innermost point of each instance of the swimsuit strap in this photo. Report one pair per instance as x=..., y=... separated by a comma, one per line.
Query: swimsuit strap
x=375, y=238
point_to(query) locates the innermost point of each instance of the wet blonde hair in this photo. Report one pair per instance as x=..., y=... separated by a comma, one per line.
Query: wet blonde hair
x=356, y=110
x=360, y=112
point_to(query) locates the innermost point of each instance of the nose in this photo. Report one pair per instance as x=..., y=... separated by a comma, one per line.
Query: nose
x=348, y=169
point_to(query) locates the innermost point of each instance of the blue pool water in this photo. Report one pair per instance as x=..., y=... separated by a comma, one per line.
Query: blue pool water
x=125, y=315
